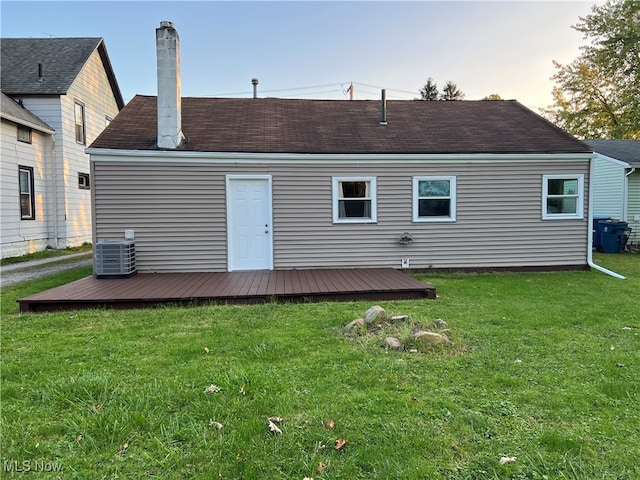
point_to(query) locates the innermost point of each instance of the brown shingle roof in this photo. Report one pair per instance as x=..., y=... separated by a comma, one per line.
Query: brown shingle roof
x=273, y=125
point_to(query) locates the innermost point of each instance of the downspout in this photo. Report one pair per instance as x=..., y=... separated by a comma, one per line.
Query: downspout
x=590, y=229
x=625, y=194
x=54, y=190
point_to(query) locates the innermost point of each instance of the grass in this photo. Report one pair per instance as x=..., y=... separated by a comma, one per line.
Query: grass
x=545, y=368
x=48, y=253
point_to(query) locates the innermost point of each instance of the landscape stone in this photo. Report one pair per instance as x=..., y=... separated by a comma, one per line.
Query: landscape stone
x=355, y=325
x=440, y=324
x=430, y=338
x=374, y=313
x=392, y=343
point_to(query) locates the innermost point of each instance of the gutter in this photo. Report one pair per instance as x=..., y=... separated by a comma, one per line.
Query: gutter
x=590, y=229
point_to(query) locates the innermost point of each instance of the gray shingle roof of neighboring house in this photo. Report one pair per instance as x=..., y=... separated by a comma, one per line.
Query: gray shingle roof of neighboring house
x=626, y=150
x=48, y=66
x=13, y=111
x=273, y=125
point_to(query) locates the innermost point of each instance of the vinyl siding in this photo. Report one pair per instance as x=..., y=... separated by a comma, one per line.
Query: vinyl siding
x=633, y=206
x=177, y=210
x=18, y=236
x=608, y=189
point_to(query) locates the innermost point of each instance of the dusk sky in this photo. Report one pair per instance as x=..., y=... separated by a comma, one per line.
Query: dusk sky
x=316, y=49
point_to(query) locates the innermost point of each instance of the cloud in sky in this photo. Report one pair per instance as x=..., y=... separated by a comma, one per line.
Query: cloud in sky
x=484, y=47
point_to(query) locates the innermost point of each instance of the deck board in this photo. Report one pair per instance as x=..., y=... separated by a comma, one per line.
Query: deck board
x=150, y=289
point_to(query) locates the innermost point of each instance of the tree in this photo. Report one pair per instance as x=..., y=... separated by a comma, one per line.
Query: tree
x=451, y=92
x=493, y=96
x=598, y=94
x=430, y=91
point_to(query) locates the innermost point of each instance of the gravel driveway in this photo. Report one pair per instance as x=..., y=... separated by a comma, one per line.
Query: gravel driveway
x=23, y=272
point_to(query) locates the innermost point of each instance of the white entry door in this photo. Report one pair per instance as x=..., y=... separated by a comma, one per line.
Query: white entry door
x=249, y=232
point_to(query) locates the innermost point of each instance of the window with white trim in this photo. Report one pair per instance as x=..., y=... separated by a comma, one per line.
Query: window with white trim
x=562, y=197
x=27, y=200
x=354, y=199
x=80, y=123
x=434, y=199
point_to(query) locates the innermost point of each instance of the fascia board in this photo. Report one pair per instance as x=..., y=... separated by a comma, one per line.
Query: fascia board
x=622, y=163
x=114, y=155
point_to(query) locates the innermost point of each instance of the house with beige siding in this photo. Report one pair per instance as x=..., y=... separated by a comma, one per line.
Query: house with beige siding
x=58, y=94
x=219, y=184
x=616, y=182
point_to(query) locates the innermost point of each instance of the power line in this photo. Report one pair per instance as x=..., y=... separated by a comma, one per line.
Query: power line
x=343, y=88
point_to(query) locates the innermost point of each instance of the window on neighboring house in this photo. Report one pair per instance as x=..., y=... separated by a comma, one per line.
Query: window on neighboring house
x=354, y=199
x=434, y=199
x=84, y=181
x=80, y=123
x=562, y=196
x=27, y=201
x=24, y=134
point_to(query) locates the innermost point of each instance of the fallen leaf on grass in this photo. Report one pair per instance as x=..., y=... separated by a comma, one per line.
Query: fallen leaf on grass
x=206, y=349
x=320, y=446
x=123, y=449
x=505, y=460
x=329, y=424
x=340, y=443
x=273, y=428
x=242, y=392
x=213, y=423
x=276, y=419
x=212, y=389
x=321, y=467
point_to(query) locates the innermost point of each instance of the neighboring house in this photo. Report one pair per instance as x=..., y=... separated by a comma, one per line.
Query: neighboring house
x=247, y=184
x=58, y=94
x=616, y=182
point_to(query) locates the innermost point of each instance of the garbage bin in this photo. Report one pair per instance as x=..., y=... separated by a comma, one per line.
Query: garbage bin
x=614, y=235
x=597, y=232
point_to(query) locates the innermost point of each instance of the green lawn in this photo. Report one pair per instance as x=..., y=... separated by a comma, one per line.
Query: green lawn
x=545, y=368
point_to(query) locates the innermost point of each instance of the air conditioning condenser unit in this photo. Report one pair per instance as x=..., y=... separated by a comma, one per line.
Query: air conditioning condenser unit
x=115, y=259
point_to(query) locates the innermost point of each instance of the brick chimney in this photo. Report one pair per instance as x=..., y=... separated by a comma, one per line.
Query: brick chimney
x=169, y=87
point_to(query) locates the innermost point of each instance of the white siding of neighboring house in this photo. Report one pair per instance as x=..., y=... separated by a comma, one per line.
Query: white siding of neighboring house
x=18, y=236
x=92, y=88
x=608, y=188
x=177, y=210
x=633, y=206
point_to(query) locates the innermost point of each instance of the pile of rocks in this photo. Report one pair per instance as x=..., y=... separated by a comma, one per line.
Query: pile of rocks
x=421, y=338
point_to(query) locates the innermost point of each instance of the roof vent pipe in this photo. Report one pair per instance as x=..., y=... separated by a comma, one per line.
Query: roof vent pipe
x=383, y=105
x=40, y=72
x=254, y=82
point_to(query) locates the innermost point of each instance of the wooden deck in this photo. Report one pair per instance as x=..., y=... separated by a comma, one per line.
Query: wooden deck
x=152, y=289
